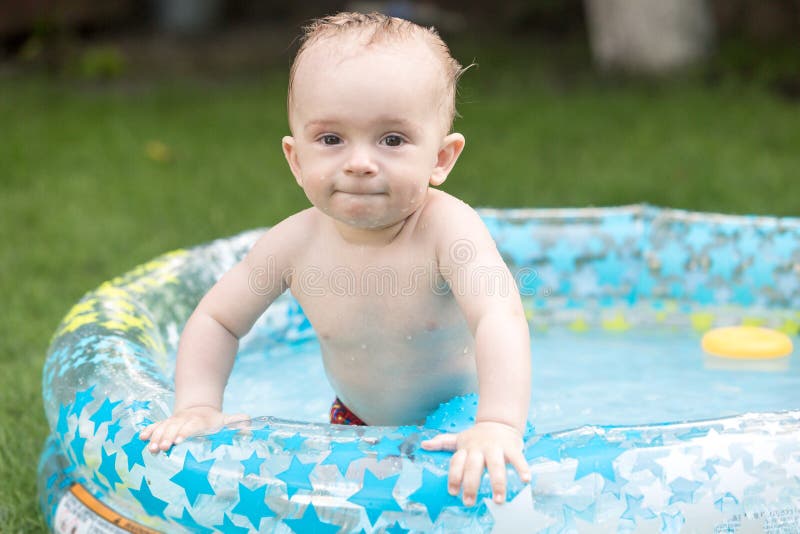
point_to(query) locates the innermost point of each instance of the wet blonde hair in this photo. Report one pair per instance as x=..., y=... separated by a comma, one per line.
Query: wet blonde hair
x=377, y=28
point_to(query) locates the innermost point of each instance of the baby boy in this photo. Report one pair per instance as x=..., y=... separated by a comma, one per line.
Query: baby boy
x=371, y=102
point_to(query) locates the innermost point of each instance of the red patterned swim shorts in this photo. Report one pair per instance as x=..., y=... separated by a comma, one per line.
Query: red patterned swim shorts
x=341, y=415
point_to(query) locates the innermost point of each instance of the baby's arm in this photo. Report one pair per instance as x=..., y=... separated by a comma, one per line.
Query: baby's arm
x=488, y=296
x=210, y=339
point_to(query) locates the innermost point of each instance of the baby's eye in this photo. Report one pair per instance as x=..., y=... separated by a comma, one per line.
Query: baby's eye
x=330, y=139
x=393, y=140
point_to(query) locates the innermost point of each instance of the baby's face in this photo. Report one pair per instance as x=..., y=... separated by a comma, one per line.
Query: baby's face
x=367, y=124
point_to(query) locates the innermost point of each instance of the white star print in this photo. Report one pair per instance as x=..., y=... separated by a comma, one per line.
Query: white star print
x=678, y=464
x=733, y=479
x=518, y=515
x=715, y=445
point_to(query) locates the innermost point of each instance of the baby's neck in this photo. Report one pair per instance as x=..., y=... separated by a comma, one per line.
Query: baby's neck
x=375, y=237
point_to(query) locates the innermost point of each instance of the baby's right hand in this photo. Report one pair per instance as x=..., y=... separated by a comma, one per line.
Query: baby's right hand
x=184, y=423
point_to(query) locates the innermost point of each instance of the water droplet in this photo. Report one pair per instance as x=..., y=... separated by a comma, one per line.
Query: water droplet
x=364, y=347
x=466, y=350
x=408, y=338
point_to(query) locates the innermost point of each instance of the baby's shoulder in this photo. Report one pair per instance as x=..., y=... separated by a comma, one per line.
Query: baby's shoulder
x=289, y=236
x=440, y=206
x=447, y=214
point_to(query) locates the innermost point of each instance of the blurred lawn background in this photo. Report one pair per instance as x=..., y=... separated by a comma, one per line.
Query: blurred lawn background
x=99, y=176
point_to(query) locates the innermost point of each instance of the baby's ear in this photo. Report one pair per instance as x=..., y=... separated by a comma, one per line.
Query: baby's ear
x=290, y=152
x=451, y=148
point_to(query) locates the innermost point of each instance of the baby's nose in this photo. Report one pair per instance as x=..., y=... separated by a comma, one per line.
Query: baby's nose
x=360, y=163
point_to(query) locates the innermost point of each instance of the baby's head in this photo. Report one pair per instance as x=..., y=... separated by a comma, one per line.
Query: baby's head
x=346, y=34
x=371, y=102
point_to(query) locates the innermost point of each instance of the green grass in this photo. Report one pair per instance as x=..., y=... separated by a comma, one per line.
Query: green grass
x=80, y=202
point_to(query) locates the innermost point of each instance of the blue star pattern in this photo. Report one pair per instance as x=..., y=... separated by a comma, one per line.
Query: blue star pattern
x=293, y=443
x=193, y=478
x=433, y=494
x=544, y=447
x=610, y=270
x=133, y=450
x=760, y=273
x=596, y=456
x=396, y=528
x=563, y=255
x=112, y=430
x=222, y=437
x=62, y=427
x=189, y=522
x=296, y=476
x=699, y=236
x=375, y=496
x=673, y=259
x=683, y=490
x=252, y=465
x=252, y=504
x=633, y=509
x=620, y=226
x=724, y=261
x=310, y=522
x=786, y=244
x=77, y=445
x=82, y=398
x=262, y=433
x=108, y=468
x=229, y=527
x=139, y=405
x=672, y=523
x=151, y=505
x=387, y=447
x=343, y=454
x=637, y=263
x=103, y=413
x=749, y=242
x=519, y=244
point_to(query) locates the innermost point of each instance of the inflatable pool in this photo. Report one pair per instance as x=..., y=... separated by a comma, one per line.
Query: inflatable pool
x=637, y=430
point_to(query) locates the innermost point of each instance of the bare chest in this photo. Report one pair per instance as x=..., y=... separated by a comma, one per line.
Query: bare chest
x=353, y=300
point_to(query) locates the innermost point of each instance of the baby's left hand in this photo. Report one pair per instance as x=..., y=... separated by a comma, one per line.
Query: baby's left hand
x=485, y=444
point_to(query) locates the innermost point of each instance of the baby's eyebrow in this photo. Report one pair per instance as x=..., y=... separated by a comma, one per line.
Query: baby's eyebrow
x=319, y=124
x=399, y=123
x=387, y=122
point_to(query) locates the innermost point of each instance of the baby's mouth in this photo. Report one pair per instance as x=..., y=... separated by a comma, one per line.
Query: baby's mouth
x=360, y=193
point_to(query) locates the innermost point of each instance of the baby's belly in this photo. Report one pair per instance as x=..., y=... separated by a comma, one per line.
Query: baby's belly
x=398, y=380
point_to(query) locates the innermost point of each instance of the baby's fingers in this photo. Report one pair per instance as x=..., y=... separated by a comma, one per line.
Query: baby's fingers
x=517, y=459
x=456, y=474
x=155, y=433
x=496, y=465
x=164, y=435
x=442, y=442
x=148, y=430
x=473, y=472
x=174, y=433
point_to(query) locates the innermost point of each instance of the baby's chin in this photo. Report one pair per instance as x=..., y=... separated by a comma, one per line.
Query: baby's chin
x=367, y=221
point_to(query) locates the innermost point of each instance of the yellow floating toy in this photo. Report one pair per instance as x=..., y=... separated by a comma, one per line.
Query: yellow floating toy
x=747, y=343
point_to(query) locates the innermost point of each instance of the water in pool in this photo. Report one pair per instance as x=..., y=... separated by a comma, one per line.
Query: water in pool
x=598, y=378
